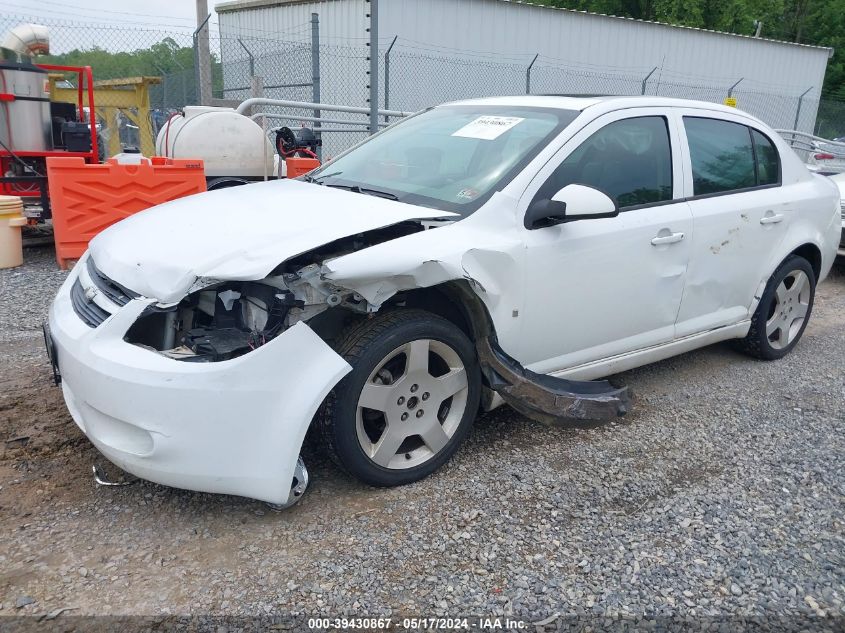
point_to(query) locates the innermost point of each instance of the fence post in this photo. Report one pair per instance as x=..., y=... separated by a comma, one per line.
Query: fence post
x=373, y=66
x=647, y=77
x=798, y=110
x=164, y=78
x=202, y=61
x=183, y=80
x=251, y=58
x=731, y=89
x=528, y=74
x=387, y=77
x=315, y=74
x=256, y=86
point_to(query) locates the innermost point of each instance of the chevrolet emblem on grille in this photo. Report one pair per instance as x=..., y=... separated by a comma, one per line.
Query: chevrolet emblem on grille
x=90, y=293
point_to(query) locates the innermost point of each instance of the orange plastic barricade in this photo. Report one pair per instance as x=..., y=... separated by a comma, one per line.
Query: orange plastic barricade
x=86, y=198
x=297, y=166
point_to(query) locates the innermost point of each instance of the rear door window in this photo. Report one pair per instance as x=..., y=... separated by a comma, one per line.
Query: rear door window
x=722, y=156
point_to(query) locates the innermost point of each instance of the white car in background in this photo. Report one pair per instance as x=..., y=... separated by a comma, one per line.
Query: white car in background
x=839, y=179
x=826, y=158
x=510, y=249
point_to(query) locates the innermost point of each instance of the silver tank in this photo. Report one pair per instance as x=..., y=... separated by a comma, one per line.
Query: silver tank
x=25, y=124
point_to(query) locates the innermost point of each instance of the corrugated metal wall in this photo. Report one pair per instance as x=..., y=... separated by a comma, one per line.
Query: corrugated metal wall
x=451, y=49
x=343, y=20
x=577, y=38
x=343, y=38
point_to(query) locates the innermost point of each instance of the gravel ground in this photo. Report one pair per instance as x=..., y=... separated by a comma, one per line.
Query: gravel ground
x=721, y=495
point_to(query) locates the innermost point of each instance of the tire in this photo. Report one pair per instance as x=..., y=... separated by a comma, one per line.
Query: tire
x=783, y=311
x=377, y=443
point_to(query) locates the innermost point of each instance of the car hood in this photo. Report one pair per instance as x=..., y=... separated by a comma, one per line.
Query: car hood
x=239, y=233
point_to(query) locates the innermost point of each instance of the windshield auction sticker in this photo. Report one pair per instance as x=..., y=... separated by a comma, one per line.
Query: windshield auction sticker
x=488, y=128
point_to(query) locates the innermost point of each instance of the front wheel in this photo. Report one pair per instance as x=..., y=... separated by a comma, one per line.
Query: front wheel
x=783, y=311
x=409, y=401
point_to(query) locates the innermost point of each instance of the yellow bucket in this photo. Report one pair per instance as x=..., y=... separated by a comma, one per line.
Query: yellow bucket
x=11, y=221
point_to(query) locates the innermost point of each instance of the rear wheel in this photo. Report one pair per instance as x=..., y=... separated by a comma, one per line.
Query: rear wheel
x=783, y=311
x=408, y=402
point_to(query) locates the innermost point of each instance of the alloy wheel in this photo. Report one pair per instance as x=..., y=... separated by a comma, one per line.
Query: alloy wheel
x=789, y=309
x=411, y=404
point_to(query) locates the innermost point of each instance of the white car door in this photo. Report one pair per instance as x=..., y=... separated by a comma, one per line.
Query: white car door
x=740, y=213
x=596, y=288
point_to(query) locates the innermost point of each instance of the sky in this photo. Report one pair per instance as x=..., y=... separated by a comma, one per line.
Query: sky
x=121, y=16
x=161, y=13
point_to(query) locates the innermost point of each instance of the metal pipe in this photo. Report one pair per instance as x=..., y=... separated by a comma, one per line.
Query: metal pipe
x=365, y=130
x=387, y=74
x=307, y=105
x=798, y=110
x=294, y=117
x=164, y=77
x=197, y=62
x=269, y=86
x=251, y=58
x=647, y=77
x=315, y=70
x=27, y=39
x=373, y=66
x=528, y=75
x=731, y=89
x=264, y=148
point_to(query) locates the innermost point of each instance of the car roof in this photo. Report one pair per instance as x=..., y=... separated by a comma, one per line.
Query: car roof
x=610, y=103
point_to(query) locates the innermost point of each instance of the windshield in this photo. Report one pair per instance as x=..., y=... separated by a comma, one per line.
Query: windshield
x=451, y=157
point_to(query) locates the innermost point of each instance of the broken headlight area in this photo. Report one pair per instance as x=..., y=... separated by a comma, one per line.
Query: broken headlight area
x=216, y=323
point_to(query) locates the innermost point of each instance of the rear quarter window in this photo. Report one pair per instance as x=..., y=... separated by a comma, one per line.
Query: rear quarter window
x=768, y=161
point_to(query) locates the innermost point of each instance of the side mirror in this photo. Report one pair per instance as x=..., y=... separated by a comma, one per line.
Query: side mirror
x=573, y=202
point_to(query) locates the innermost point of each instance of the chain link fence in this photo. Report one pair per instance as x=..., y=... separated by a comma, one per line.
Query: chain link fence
x=143, y=76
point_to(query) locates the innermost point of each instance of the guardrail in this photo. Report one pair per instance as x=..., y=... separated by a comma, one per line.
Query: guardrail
x=804, y=141
x=247, y=108
x=283, y=103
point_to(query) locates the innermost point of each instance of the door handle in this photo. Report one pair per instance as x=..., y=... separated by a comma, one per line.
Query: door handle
x=667, y=239
x=771, y=218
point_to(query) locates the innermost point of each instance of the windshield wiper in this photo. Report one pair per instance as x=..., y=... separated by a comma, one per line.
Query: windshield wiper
x=366, y=190
x=374, y=192
x=319, y=180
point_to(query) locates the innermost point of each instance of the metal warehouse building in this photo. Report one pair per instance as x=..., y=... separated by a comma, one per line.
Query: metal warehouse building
x=440, y=50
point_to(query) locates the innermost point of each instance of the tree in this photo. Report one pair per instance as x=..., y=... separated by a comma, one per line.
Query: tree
x=162, y=58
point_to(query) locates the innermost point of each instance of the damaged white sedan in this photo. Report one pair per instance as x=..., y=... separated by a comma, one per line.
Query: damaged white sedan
x=499, y=249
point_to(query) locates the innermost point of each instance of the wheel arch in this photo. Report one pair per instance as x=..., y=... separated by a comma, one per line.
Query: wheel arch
x=812, y=254
x=454, y=301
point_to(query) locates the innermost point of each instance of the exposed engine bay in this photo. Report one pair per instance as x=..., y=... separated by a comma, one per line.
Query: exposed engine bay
x=225, y=320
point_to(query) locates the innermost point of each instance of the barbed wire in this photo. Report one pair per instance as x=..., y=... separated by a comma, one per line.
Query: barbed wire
x=279, y=62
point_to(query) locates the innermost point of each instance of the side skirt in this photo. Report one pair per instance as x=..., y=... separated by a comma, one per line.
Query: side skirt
x=631, y=360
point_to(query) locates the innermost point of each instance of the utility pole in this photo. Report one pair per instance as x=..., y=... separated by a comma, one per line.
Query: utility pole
x=203, y=54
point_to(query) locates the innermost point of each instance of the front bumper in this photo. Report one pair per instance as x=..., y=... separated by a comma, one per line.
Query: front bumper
x=233, y=427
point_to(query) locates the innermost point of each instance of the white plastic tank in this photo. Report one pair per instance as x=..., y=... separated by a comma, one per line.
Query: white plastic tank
x=230, y=144
x=131, y=156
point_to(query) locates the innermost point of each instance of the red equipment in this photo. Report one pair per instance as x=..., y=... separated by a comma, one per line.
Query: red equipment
x=24, y=173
